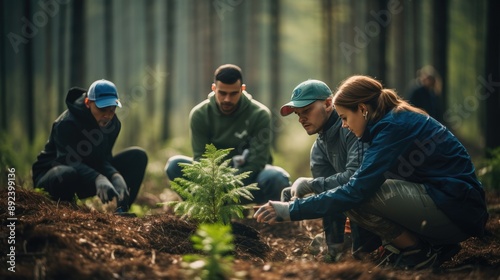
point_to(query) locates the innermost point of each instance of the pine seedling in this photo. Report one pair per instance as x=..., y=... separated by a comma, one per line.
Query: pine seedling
x=211, y=189
x=216, y=243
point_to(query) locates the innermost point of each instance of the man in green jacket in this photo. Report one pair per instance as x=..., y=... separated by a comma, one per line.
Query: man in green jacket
x=231, y=118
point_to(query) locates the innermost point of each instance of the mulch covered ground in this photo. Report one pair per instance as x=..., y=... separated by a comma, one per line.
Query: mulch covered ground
x=64, y=241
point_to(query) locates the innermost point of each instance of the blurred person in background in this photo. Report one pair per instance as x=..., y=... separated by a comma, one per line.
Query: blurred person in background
x=426, y=93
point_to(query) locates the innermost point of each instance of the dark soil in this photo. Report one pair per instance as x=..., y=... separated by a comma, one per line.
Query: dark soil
x=64, y=241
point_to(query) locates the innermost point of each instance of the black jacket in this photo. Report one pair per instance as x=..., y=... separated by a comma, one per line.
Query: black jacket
x=77, y=140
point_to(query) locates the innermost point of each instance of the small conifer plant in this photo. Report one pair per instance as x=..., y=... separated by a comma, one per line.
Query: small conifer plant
x=215, y=241
x=211, y=189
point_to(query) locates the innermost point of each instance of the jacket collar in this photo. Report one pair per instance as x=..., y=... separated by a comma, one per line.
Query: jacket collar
x=334, y=117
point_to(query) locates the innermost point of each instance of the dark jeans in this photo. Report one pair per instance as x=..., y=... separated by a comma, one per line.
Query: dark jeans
x=62, y=182
x=271, y=180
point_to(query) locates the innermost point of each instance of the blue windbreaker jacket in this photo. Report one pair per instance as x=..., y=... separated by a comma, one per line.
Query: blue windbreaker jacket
x=412, y=147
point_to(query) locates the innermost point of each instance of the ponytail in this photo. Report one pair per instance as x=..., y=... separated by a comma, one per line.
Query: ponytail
x=363, y=89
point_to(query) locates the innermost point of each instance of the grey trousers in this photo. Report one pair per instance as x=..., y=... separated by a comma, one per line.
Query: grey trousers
x=400, y=205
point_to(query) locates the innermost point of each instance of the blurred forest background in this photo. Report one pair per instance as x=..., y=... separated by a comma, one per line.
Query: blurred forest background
x=162, y=54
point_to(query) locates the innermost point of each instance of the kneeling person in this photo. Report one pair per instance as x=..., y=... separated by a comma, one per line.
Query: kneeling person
x=77, y=158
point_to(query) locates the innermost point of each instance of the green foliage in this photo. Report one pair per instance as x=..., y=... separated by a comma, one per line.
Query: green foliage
x=211, y=189
x=8, y=156
x=490, y=174
x=216, y=242
x=139, y=210
x=18, y=153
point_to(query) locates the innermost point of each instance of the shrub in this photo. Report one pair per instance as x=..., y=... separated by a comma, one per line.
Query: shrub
x=211, y=189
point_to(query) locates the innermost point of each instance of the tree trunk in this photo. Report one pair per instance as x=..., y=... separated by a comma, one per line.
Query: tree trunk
x=275, y=60
x=62, y=51
x=77, y=50
x=398, y=26
x=377, y=48
x=109, y=39
x=328, y=47
x=30, y=89
x=3, y=79
x=169, y=56
x=492, y=75
x=150, y=53
x=440, y=39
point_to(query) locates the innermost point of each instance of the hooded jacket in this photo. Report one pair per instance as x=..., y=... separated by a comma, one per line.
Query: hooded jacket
x=334, y=156
x=77, y=140
x=412, y=147
x=248, y=127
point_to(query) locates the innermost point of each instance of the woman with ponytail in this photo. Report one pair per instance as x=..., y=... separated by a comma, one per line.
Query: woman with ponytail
x=416, y=187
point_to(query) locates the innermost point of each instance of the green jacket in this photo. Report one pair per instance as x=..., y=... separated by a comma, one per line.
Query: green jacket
x=249, y=127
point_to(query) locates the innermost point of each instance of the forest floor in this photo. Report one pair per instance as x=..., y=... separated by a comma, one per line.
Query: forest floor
x=66, y=241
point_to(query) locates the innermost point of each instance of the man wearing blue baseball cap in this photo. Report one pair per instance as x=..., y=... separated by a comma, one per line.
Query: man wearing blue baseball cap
x=334, y=159
x=77, y=158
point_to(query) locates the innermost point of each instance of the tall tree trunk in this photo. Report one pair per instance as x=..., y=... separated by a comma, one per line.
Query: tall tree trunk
x=150, y=54
x=109, y=39
x=440, y=39
x=492, y=75
x=3, y=74
x=169, y=57
x=275, y=59
x=30, y=88
x=252, y=54
x=377, y=47
x=208, y=44
x=62, y=50
x=398, y=26
x=77, y=65
x=51, y=97
x=327, y=13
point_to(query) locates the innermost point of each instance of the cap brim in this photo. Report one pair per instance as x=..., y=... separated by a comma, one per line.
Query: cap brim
x=289, y=107
x=101, y=103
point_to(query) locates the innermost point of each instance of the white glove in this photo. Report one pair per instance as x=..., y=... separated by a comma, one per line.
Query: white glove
x=272, y=212
x=301, y=187
x=239, y=160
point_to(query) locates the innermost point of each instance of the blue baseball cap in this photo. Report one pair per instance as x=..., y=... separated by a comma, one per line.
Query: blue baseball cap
x=304, y=94
x=104, y=94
